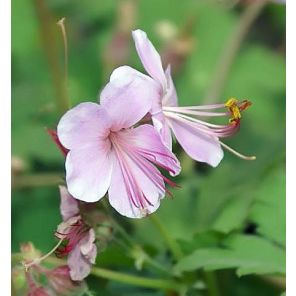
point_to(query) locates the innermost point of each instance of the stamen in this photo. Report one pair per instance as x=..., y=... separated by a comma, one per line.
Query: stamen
x=181, y=116
x=244, y=105
x=235, y=107
x=237, y=153
x=192, y=112
x=232, y=105
x=201, y=107
x=38, y=260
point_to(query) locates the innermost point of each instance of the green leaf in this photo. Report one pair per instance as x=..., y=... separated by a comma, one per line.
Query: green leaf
x=201, y=240
x=234, y=214
x=268, y=211
x=248, y=254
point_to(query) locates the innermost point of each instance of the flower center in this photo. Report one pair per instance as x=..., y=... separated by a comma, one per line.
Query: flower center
x=71, y=235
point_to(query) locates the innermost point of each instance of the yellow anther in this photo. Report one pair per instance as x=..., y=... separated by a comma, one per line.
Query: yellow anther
x=231, y=102
x=232, y=105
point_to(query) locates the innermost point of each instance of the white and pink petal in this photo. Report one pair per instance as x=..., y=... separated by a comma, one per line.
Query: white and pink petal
x=148, y=142
x=84, y=125
x=88, y=172
x=149, y=56
x=133, y=193
x=196, y=143
x=128, y=97
x=69, y=205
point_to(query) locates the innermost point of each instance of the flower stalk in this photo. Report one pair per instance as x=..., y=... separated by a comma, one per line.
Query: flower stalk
x=169, y=240
x=163, y=284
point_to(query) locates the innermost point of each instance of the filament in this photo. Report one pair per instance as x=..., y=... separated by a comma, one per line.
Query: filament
x=38, y=260
x=237, y=153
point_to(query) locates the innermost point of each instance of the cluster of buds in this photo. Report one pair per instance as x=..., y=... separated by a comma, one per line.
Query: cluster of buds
x=76, y=241
x=41, y=280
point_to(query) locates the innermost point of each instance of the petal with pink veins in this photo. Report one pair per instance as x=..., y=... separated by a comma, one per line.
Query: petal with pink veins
x=196, y=143
x=82, y=257
x=126, y=188
x=150, y=58
x=79, y=266
x=88, y=248
x=65, y=227
x=146, y=138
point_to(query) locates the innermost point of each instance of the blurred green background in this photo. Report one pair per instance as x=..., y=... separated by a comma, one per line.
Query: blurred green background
x=238, y=206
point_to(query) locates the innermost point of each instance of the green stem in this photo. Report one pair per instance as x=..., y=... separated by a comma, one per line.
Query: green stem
x=117, y=276
x=48, y=33
x=136, y=280
x=157, y=265
x=134, y=245
x=169, y=240
x=211, y=282
x=36, y=180
x=231, y=49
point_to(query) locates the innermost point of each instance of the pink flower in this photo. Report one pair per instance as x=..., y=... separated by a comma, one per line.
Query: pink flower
x=198, y=138
x=60, y=281
x=79, y=237
x=76, y=240
x=35, y=289
x=106, y=153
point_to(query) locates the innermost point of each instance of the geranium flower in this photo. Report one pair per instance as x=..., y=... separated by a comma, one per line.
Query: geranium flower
x=58, y=279
x=106, y=153
x=79, y=238
x=76, y=240
x=198, y=138
x=59, y=282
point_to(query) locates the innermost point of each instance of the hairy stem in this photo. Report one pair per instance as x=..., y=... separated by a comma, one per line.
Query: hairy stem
x=169, y=240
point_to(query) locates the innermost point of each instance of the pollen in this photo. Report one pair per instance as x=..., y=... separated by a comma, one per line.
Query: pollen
x=233, y=105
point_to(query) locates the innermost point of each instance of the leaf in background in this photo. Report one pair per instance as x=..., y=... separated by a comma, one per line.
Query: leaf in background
x=249, y=254
x=268, y=211
x=234, y=214
x=202, y=240
x=180, y=223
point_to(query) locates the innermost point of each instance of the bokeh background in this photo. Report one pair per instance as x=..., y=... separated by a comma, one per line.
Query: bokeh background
x=217, y=49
